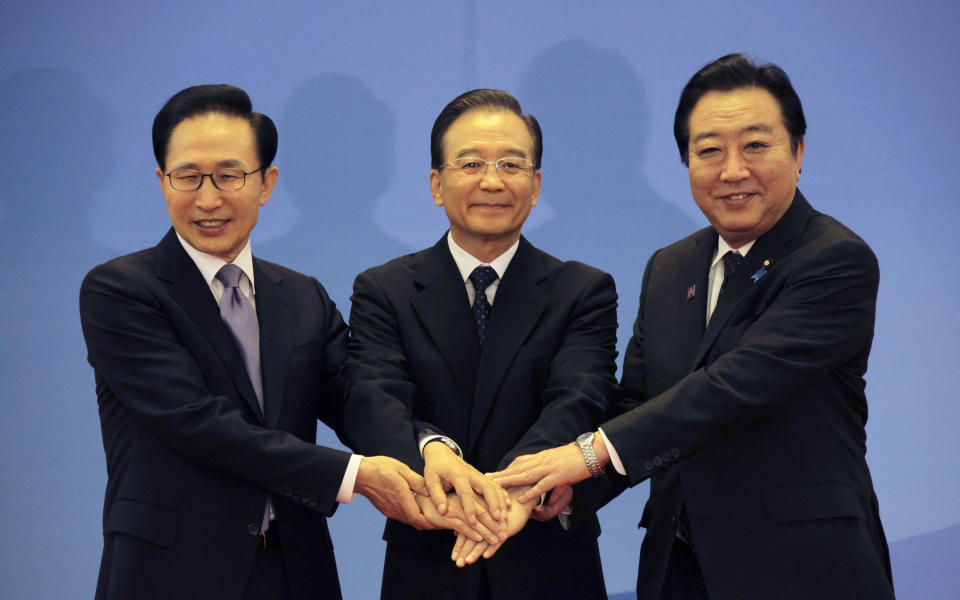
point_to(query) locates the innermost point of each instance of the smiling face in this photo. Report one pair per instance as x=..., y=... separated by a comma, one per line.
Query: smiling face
x=212, y=220
x=486, y=212
x=743, y=171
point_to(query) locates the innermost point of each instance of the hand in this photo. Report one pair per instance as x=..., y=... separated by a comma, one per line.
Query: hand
x=443, y=470
x=456, y=520
x=557, y=502
x=548, y=469
x=387, y=483
x=467, y=551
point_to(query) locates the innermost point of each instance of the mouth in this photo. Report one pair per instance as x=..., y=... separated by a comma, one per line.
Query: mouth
x=737, y=198
x=490, y=205
x=211, y=225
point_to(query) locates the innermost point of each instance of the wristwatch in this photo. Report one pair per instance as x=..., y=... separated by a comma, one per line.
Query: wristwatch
x=585, y=441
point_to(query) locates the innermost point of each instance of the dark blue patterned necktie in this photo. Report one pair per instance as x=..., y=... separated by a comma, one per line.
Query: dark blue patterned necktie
x=481, y=278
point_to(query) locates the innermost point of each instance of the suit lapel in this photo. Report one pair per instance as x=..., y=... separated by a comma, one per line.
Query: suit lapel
x=444, y=310
x=769, y=249
x=275, y=311
x=192, y=293
x=693, y=272
x=516, y=310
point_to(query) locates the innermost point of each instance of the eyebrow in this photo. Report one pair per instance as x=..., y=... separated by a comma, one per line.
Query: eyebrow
x=509, y=152
x=220, y=165
x=758, y=127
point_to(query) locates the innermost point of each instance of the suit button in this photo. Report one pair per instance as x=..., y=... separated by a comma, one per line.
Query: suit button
x=665, y=456
x=673, y=520
x=675, y=453
x=286, y=492
x=253, y=528
x=314, y=501
x=657, y=460
x=648, y=465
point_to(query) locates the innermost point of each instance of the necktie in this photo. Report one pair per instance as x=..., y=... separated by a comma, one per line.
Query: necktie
x=481, y=278
x=241, y=319
x=731, y=260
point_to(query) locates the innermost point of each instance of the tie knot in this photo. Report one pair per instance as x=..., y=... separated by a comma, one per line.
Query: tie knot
x=229, y=275
x=731, y=260
x=481, y=278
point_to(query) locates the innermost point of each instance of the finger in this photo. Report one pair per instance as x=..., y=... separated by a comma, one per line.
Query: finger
x=465, y=494
x=458, y=546
x=470, y=555
x=490, y=525
x=491, y=550
x=411, y=512
x=414, y=481
x=439, y=497
x=541, y=487
x=492, y=493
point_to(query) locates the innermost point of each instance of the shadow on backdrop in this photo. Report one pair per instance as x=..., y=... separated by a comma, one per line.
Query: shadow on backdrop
x=592, y=108
x=58, y=137
x=337, y=142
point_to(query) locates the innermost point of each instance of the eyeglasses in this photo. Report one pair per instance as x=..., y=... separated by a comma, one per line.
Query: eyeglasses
x=508, y=166
x=228, y=179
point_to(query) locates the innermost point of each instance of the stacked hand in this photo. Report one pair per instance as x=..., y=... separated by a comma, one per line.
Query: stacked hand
x=387, y=483
x=445, y=472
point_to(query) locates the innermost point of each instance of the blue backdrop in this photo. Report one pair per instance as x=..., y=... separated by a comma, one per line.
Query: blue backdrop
x=354, y=88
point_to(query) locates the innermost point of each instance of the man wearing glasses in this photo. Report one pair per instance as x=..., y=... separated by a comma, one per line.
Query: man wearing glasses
x=475, y=351
x=212, y=368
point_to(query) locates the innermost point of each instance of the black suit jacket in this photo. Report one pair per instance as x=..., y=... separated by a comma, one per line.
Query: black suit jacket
x=190, y=456
x=544, y=376
x=756, y=422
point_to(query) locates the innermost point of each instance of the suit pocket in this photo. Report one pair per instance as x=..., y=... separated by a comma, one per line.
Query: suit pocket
x=785, y=505
x=148, y=522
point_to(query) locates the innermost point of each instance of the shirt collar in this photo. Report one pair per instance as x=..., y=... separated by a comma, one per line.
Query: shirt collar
x=210, y=265
x=723, y=247
x=466, y=262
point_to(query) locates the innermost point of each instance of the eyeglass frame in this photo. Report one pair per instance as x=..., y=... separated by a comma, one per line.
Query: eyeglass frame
x=212, y=180
x=495, y=163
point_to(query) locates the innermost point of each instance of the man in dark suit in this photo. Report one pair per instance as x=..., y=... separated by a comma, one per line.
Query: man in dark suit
x=216, y=488
x=743, y=391
x=494, y=345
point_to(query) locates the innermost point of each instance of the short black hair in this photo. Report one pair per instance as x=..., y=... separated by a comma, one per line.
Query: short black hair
x=487, y=99
x=219, y=98
x=732, y=72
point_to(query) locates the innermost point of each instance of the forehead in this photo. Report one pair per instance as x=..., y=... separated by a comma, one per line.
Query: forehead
x=481, y=128
x=720, y=111
x=212, y=137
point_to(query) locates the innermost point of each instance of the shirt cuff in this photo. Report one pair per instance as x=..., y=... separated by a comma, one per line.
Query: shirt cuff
x=346, y=494
x=614, y=457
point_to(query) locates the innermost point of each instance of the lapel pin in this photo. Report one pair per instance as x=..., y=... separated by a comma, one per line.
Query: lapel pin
x=767, y=263
x=691, y=291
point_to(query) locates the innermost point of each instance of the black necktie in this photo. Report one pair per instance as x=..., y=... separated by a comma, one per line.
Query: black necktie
x=481, y=278
x=731, y=260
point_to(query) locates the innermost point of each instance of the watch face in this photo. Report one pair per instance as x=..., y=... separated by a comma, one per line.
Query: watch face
x=585, y=438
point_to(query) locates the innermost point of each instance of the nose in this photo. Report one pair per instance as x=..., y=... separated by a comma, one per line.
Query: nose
x=491, y=180
x=734, y=168
x=208, y=196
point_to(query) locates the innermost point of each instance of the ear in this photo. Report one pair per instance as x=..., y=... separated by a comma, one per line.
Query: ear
x=269, y=182
x=160, y=176
x=798, y=156
x=536, y=187
x=436, y=187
